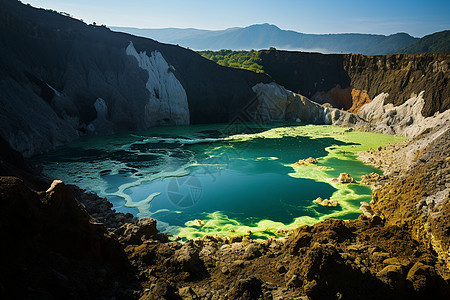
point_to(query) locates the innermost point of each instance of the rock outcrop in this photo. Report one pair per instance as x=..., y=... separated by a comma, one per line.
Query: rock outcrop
x=326, y=202
x=52, y=248
x=401, y=76
x=275, y=103
x=345, y=178
x=168, y=99
x=405, y=119
x=306, y=162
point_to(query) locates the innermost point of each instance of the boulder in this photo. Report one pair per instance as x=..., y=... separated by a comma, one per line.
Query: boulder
x=345, y=178
x=421, y=277
x=136, y=233
x=311, y=160
x=247, y=288
x=186, y=293
x=371, y=178
x=366, y=210
x=326, y=202
x=198, y=223
x=294, y=282
x=305, y=162
x=162, y=289
x=392, y=275
x=188, y=258
x=252, y=251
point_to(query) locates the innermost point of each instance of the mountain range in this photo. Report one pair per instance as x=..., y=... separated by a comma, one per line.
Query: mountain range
x=264, y=36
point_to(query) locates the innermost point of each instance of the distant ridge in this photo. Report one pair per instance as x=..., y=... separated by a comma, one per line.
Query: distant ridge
x=436, y=42
x=264, y=36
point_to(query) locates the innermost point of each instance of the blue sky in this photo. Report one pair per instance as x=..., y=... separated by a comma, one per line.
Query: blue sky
x=417, y=18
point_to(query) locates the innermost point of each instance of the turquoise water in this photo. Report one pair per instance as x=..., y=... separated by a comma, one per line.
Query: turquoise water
x=220, y=179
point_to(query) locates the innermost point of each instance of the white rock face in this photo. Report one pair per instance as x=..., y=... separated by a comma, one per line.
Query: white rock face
x=275, y=103
x=405, y=119
x=167, y=103
x=375, y=108
x=272, y=101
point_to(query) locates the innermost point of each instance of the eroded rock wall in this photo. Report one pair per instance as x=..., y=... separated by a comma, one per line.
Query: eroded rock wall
x=276, y=104
x=403, y=76
x=345, y=80
x=405, y=119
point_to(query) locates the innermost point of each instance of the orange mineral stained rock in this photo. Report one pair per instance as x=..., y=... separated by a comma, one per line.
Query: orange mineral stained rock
x=359, y=99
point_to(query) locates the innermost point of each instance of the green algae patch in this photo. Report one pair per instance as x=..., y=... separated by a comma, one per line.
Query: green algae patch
x=199, y=181
x=341, y=157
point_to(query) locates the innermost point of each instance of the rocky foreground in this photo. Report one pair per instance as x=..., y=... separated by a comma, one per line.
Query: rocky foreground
x=399, y=248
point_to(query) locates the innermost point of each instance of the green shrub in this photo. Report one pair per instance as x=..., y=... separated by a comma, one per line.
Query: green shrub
x=248, y=60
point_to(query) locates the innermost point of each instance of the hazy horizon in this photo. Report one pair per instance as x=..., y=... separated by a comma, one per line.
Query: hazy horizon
x=245, y=26
x=417, y=18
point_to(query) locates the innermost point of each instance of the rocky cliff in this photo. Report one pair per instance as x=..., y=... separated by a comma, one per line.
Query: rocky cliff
x=349, y=81
x=61, y=78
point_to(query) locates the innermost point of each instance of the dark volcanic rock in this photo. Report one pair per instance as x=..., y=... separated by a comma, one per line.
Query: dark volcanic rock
x=51, y=248
x=13, y=164
x=101, y=209
x=248, y=288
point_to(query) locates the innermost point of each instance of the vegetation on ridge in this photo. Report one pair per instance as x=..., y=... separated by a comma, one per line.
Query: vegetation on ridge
x=248, y=60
